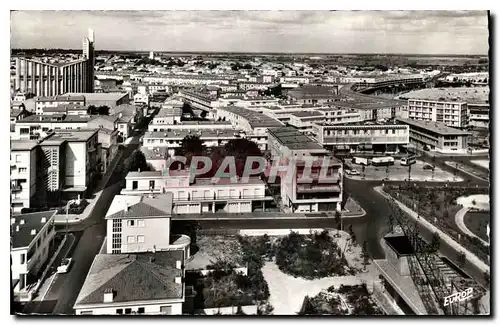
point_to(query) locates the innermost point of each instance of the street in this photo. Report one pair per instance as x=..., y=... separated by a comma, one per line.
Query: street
x=65, y=289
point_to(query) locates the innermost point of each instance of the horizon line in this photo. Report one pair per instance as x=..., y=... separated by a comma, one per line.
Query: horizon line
x=257, y=52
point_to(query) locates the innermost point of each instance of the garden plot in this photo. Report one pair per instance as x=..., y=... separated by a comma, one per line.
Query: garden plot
x=397, y=172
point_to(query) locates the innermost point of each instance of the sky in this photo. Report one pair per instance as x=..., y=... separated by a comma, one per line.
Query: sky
x=412, y=32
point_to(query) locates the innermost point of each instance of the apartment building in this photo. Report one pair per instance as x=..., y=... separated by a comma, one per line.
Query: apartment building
x=289, y=146
x=362, y=136
x=17, y=114
x=31, y=237
x=188, y=125
x=42, y=102
x=199, y=99
x=173, y=139
x=166, y=116
x=38, y=126
x=436, y=136
x=111, y=99
x=82, y=160
x=254, y=125
x=479, y=115
x=24, y=173
x=141, y=99
x=107, y=136
x=451, y=113
x=200, y=195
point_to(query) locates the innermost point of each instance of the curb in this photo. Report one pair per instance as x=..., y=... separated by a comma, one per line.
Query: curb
x=459, y=220
x=455, y=245
x=465, y=171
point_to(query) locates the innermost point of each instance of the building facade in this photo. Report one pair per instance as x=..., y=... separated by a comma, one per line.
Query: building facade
x=451, y=113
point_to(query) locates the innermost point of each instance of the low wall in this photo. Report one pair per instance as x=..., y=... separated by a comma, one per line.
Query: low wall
x=278, y=232
x=232, y=310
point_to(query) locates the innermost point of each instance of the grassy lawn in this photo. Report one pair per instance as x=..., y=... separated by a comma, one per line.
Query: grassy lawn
x=216, y=248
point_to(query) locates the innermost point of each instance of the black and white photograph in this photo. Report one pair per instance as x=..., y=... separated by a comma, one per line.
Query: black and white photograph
x=250, y=162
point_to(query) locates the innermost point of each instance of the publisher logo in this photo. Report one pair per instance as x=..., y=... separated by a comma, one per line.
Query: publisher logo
x=457, y=297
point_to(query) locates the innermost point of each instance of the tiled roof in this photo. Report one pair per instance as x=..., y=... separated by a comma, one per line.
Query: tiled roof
x=133, y=277
x=23, y=237
x=140, y=209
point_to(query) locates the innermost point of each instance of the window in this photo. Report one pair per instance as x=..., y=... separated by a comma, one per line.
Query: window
x=128, y=311
x=167, y=310
x=23, y=169
x=130, y=239
x=119, y=311
x=140, y=223
x=134, y=185
x=151, y=184
x=131, y=223
x=140, y=310
x=23, y=258
x=18, y=158
x=86, y=312
x=140, y=239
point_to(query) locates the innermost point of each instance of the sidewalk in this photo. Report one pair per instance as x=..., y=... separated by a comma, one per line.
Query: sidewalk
x=466, y=169
x=76, y=218
x=352, y=209
x=450, y=241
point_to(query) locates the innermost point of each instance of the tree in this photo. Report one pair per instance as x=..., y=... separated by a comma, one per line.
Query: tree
x=191, y=146
x=365, y=255
x=241, y=149
x=136, y=162
x=461, y=258
x=92, y=110
x=338, y=221
x=435, y=243
x=103, y=110
x=486, y=276
x=391, y=223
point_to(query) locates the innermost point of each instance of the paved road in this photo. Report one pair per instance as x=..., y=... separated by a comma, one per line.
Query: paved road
x=66, y=287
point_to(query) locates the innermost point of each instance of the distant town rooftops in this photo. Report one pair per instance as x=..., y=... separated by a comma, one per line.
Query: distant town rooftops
x=469, y=95
x=293, y=139
x=24, y=227
x=255, y=119
x=436, y=127
x=133, y=277
x=61, y=118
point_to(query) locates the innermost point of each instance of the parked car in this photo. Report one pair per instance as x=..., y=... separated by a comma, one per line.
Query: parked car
x=352, y=172
x=65, y=265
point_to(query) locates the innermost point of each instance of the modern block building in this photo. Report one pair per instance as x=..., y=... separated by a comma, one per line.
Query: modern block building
x=436, y=136
x=200, y=195
x=24, y=172
x=289, y=146
x=451, y=113
x=362, y=136
x=52, y=77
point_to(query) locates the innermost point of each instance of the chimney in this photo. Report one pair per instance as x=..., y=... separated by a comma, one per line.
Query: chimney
x=178, y=264
x=108, y=295
x=178, y=280
x=44, y=220
x=125, y=207
x=21, y=222
x=17, y=228
x=33, y=232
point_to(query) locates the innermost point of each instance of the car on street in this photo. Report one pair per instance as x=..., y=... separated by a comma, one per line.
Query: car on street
x=428, y=167
x=352, y=172
x=65, y=265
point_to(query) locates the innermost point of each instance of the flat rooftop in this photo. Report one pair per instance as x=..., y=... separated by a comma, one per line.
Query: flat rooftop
x=23, y=145
x=164, y=112
x=436, y=127
x=21, y=232
x=99, y=96
x=180, y=134
x=56, y=118
x=72, y=135
x=294, y=139
x=60, y=98
x=469, y=95
x=400, y=244
x=133, y=277
x=306, y=114
x=255, y=119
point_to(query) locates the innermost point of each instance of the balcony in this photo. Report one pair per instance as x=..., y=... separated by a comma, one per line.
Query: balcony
x=16, y=188
x=318, y=188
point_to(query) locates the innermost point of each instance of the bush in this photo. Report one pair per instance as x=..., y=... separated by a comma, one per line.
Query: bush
x=311, y=256
x=75, y=208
